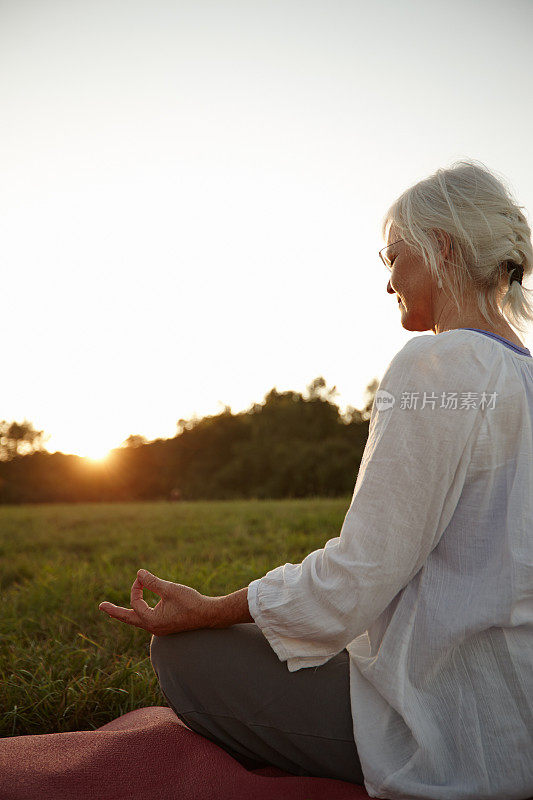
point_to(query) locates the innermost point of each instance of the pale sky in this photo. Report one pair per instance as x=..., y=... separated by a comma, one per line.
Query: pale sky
x=191, y=193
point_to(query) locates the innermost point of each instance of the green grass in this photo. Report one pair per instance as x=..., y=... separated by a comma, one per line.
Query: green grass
x=65, y=665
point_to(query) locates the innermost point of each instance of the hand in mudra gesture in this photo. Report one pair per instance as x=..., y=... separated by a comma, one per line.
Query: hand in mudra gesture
x=180, y=608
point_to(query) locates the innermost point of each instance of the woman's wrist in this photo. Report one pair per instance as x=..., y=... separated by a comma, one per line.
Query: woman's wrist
x=230, y=609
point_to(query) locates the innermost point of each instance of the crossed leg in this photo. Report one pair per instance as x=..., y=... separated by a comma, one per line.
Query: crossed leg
x=228, y=685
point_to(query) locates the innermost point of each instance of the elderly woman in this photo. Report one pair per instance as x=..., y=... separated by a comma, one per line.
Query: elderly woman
x=400, y=655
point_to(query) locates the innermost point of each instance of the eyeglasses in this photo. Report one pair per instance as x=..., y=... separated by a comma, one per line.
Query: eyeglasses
x=383, y=258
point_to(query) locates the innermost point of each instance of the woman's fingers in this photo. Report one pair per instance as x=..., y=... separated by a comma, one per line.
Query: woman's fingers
x=151, y=581
x=136, y=598
x=127, y=615
x=141, y=614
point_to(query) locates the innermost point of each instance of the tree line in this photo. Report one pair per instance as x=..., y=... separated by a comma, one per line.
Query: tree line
x=290, y=445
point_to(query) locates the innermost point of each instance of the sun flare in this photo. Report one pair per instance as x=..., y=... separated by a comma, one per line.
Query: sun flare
x=97, y=457
x=93, y=450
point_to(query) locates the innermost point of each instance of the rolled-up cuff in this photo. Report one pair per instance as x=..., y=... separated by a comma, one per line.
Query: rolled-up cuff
x=281, y=645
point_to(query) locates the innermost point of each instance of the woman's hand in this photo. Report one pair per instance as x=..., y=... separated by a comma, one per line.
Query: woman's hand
x=180, y=608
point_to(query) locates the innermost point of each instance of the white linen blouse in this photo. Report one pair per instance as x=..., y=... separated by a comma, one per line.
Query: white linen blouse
x=429, y=586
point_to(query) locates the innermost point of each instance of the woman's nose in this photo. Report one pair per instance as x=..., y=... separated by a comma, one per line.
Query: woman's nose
x=389, y=288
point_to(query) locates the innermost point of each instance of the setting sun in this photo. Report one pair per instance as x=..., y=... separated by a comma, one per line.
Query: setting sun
x=93, y=449
x=97, y=456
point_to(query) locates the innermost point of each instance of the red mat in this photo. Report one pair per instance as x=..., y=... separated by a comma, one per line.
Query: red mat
x=146, y=755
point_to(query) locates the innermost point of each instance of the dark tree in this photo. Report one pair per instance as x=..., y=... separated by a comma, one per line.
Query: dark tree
x=134, y=440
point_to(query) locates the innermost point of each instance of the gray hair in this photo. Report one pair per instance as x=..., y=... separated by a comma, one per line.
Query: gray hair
x=474, y=213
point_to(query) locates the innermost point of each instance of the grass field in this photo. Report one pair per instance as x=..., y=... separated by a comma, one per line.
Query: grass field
x=65, y=665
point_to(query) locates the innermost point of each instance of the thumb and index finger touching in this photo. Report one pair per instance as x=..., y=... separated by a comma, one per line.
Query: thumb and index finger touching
x=145, y=580
x=139, y=607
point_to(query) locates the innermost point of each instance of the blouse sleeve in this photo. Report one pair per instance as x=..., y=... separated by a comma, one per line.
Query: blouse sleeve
x=409, y=482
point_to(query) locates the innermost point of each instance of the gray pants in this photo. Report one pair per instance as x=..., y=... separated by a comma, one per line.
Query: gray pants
x=229, y=685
